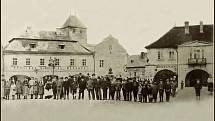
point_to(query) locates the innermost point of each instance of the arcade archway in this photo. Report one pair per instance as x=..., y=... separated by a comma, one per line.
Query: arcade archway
x=163, y=75
x=193, y=75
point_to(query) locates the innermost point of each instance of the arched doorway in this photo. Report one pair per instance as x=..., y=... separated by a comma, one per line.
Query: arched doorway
x=20, y=77
x=193, y=75
x=163, y=75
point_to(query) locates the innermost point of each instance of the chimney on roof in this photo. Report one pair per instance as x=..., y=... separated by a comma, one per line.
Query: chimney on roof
x=142, y=55
x=28, y=30
x=201, y=27
x=186, y=27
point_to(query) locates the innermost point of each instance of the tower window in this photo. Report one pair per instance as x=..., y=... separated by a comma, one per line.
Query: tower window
x=15, y=61
x=73, y=30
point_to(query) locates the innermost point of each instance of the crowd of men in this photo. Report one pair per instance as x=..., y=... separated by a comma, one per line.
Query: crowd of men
x=99, y=88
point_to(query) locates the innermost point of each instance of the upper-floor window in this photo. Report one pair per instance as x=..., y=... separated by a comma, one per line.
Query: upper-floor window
x=32, y=45
x=159, y=55
x=42, y=62
x=57, y=62
x=61, y=46
x=72, y=62
x=84, y=62
x=101, y=63
x=15, y=61
x=171, y=54
x=28, y=61
x=197, y=53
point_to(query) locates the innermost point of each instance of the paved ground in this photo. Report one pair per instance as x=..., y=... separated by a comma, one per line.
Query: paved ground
x=179, y=109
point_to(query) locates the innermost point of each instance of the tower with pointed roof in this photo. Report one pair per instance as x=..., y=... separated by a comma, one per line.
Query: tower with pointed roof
x=74, y=29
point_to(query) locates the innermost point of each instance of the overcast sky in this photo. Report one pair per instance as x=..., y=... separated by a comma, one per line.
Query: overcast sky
x=135, y=23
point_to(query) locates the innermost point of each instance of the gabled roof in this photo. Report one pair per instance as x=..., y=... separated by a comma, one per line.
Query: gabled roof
x=73, y=21
x=177, y=36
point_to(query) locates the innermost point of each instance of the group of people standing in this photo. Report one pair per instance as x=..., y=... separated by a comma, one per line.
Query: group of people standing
x=100, y=88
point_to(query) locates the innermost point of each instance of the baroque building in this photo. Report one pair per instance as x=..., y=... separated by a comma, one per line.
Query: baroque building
x=184, y=53
x=31, y=54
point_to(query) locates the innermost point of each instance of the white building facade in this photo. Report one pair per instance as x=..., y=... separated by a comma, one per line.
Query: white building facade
x=184, y=53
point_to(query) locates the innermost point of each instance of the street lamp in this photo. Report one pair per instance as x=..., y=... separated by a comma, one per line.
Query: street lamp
x=52, y=63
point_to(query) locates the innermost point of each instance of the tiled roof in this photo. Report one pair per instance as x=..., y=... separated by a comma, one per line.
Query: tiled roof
x=48, y=46
x=73, y=21
x=177, y=36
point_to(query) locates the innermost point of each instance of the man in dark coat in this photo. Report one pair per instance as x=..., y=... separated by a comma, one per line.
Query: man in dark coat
x=168, y=90
x=145, y=91
x=135, y=89
x=124, y=91
x=104, y=85
x=161, y=90
x=66, y=88
x=198, y=87
x=130, y=89
x=82, y=87
x=98, y=88
x=54, y=87
x=118, y=88
x=182, y=85
x=154, y=92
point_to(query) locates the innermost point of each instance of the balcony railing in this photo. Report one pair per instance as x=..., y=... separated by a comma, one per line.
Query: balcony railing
x=197, y=61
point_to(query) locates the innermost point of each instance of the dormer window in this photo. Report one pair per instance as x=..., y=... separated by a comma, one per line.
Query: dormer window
x=32, y=45
x=132, y=61
x=61, y=46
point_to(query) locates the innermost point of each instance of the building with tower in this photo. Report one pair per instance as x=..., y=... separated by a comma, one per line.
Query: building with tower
x=62, y=52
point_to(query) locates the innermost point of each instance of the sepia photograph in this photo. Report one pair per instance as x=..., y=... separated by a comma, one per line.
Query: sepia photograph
x=107, y=60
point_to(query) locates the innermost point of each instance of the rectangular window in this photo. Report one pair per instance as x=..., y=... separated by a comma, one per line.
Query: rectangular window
x=28, y=61
x=159, y=55
x=72, y=62
x=101, y=63
x=84, y=62
x=42, y=62
x=57, y=62
x=15, y=60
x=171, y=54
x=32, y=45
x=61, y=46
x=196, y=54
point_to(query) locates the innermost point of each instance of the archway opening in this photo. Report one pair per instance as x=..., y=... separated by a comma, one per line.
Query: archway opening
x=193, y=75
x=162, y=75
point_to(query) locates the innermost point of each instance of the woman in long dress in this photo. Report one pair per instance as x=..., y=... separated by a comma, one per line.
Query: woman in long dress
x=13, y=90
x=41, y=89
x=18, y=89
x=25, y=88
x=7, y=86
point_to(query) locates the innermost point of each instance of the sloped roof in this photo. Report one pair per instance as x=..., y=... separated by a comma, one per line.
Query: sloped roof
x=45, y=35
x=49, y=46
x=73, y=21
x=177, y=36
x=136, y=61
